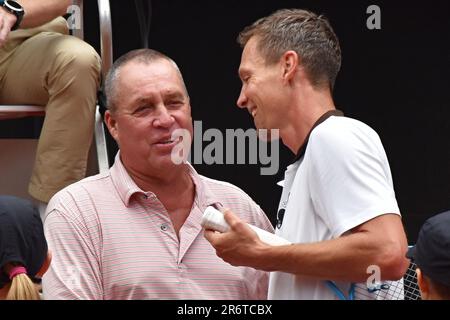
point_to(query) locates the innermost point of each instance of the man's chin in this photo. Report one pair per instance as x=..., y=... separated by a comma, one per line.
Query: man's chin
x=166, y=161
x=163, y=166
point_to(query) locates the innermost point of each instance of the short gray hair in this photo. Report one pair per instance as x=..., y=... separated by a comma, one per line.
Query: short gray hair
x=302, y=31
x=145, y=56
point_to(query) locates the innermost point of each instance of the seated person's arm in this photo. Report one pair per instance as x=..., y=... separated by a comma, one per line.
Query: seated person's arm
x=42, y=11
x=36, y=14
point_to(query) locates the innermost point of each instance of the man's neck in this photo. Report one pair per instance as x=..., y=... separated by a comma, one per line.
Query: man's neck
x=162, y=181
x=174, y=188
x=309, y=106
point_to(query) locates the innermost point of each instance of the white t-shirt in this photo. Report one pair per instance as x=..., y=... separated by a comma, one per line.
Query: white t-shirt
x=342, y=181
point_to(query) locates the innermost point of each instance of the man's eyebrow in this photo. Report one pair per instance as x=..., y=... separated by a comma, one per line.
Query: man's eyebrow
x=175, y=95
x=141, y=100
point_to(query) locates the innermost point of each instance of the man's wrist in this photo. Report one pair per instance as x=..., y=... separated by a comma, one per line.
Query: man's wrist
x=14, y=9
x=9, y=16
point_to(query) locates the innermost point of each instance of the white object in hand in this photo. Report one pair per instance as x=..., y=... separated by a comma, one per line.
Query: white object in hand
x=214, y=219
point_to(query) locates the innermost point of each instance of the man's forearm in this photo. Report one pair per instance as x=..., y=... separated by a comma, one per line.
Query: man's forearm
x=346, y=258
x=323, y=260
x=379, y=242
x=38, y=12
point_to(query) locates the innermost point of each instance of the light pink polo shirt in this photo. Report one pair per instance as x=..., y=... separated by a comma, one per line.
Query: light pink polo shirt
x=112, y=240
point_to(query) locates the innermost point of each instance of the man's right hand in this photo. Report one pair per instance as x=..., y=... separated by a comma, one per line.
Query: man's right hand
x=239, y=246
x=7, y=21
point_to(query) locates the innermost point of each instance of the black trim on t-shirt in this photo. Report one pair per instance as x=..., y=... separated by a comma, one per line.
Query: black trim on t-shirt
x=301, y=151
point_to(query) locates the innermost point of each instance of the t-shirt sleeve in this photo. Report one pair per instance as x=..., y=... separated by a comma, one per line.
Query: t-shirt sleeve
x=349, y=176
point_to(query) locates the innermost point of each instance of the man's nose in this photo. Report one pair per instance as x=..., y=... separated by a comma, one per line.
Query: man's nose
x=242, y=100
x=164, y=118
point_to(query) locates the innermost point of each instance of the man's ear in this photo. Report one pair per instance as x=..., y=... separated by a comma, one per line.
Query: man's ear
x=424, y=286
x=289, y=63
x=111, y=123
x=45, y=265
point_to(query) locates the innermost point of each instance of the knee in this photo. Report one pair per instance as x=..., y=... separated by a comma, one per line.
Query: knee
x=75, y=56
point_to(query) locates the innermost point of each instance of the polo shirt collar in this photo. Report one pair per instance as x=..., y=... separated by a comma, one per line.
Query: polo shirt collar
x=126, y=187
x=203, y=194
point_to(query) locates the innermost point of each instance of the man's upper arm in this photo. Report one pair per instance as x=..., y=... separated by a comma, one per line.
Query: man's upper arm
x=386, y=228
x=352, y=191
x=40, y=12
x=349, y=180
x=387, y=236
x=61, y=4
x=75, y=271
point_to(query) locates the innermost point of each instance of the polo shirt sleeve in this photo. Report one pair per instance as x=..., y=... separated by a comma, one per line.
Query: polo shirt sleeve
x=75, y=270
x=349, y=176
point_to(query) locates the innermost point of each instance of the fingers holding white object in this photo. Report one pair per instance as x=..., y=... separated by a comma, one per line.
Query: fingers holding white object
x=238, y=243
x=237, y=246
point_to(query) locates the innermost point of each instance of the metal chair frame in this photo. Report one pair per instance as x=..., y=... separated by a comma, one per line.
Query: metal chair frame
x=106, y=53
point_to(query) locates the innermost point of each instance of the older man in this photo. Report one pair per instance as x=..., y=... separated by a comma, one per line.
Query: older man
x=134, y=232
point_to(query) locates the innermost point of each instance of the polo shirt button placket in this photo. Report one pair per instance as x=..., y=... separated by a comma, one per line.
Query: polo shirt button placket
x=181, y=270
x=164, y=227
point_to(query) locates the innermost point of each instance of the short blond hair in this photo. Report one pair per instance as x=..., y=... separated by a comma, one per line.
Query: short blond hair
x=302, y=31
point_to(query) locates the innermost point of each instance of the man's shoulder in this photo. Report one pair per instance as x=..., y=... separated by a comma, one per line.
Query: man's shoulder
x=88, y=183
x=236, y=199
x=343, y=132
x=81, y=191
x=343, y=125
x=220, y=187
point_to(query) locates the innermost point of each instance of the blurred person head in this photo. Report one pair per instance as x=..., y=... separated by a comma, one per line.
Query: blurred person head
x=24, y=256
x=431, y=254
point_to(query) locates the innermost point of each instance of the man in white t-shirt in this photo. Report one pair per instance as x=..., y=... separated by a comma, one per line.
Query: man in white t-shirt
x=338, y=205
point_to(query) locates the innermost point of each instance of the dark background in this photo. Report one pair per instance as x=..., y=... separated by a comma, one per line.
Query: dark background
x=395, y=79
